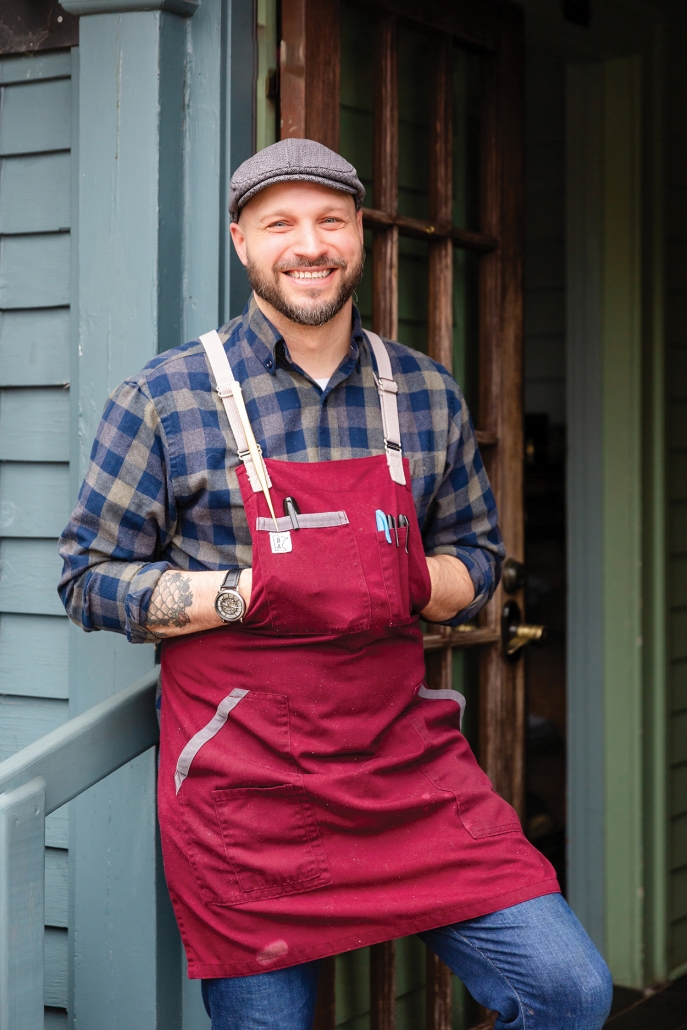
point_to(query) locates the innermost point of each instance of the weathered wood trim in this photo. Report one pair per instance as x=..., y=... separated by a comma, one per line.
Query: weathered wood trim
x=36, y=25
x=309, y=71
x=186, y=8
x=502, y=695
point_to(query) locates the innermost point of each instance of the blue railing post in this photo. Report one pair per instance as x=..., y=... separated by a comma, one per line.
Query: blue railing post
x=22, y=906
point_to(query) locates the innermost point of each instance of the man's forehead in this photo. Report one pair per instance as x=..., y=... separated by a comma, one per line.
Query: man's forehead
x=293, y=198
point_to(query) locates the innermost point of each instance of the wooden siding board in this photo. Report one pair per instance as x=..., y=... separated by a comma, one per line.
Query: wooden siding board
x=677, y=527
x=34, y=425
x=35, y=271
x=56, y=886
x=678, y=733
x=678, y=894
x=29, y=572
x=24, y=720
x=34, y=655
x=677, y=474
x=35, y=193
x=678, y=841
x=36, y=117
x=678, y=790
x=678, y=678
x=55, y=1019
x=57, y=828
x=24, y=68
x=34, y=499
x=677, y=590
x=56, y=965
x=34, y=347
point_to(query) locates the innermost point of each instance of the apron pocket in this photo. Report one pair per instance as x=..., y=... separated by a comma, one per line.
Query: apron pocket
x=482, y=811
x=314, y=582
x=271, y=840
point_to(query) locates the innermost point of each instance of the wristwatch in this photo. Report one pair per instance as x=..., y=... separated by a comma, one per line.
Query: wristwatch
x=229, y=604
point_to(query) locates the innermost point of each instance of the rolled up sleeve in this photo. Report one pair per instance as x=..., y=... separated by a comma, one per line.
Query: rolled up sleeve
x=123, y=520
x=463, y=519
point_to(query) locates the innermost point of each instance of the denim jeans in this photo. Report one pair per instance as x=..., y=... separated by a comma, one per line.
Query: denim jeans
x=532, y=963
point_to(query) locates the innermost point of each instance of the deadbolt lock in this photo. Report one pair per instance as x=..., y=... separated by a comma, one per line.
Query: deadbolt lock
x=515, y=634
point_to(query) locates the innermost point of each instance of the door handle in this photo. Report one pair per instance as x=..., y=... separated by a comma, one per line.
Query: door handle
x=515, y=634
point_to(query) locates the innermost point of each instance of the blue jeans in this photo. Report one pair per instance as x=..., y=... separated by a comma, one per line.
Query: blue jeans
x=532, y=963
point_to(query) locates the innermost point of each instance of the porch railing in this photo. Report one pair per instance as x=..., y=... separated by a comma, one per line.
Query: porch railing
x=33, y=783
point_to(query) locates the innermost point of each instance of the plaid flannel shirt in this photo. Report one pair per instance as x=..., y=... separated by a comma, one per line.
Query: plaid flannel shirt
x=161, y=490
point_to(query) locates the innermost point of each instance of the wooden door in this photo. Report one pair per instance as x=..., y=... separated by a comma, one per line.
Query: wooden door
x=426, y=100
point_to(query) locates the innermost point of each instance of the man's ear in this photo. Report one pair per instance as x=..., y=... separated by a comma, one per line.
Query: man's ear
x=239, y=241
x=359, y=220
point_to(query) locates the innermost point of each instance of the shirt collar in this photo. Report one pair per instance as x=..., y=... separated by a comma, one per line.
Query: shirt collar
x=270, y=349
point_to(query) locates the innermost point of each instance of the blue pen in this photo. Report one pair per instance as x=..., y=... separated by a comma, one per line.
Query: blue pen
x=383, y=524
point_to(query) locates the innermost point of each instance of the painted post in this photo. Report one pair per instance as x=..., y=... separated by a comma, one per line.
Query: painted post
x=124, y=951
x=22, y=906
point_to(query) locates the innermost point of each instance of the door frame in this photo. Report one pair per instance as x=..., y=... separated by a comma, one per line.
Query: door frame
x=309, y=77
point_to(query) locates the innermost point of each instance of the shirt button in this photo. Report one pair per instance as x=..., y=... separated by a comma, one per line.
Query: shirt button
x=269, y=363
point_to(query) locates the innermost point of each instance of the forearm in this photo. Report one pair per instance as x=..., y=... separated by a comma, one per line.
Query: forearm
x=184, y=602
x=452, y=588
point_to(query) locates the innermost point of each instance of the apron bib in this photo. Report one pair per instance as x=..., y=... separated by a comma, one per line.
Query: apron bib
x=314, y=796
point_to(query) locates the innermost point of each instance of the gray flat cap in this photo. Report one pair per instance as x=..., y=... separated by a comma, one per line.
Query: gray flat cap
x=299, y=159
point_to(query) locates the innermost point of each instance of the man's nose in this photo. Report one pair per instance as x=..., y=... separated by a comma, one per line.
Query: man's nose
x=309, y=243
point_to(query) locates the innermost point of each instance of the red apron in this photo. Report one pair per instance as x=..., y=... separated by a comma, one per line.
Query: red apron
x=313, y=795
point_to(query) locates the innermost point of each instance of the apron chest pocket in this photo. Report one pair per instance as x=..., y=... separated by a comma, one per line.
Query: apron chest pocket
x=314, y=584
x=271, y=839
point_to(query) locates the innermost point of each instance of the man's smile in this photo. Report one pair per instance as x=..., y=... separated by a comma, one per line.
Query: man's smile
x=310, y=273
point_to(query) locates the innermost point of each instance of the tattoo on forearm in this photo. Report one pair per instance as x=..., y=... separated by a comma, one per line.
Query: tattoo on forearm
x=168, y=606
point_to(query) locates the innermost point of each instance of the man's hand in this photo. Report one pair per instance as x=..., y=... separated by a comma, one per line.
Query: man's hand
x=452, y=588
x=184, y=602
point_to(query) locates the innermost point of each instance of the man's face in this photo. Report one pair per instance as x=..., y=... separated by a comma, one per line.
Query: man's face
x=302, y=245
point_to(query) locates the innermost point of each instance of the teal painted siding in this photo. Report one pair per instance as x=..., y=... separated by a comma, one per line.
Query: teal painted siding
x=35, y=287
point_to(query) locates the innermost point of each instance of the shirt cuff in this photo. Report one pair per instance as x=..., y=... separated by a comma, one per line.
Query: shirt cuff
x=481, y=573
x=138, y=599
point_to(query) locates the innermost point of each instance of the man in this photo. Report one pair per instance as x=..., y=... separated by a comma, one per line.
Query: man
x=314, y=796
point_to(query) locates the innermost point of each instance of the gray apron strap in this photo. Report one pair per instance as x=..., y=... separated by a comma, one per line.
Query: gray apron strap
x=388, y=390
x=386, y=387
x=224, y=377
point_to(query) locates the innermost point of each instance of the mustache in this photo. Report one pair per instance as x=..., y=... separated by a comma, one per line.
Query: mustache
x=320, y=262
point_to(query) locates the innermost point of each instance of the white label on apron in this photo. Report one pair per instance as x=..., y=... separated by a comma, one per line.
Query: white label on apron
x=280, y=543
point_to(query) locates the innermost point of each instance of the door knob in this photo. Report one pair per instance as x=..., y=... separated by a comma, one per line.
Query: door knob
x=515, y=634
x=513, y=576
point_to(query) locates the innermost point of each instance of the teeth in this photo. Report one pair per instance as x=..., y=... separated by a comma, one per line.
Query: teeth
x=303, y=274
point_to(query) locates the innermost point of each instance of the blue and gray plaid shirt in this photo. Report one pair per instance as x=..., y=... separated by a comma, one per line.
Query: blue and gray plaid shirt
x=161, y=490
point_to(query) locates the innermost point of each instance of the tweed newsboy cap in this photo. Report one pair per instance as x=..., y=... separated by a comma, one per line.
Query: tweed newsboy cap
x=299, y=159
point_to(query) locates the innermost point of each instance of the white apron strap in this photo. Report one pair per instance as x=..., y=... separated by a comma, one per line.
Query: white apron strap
x=224, y=380
x=388, y=390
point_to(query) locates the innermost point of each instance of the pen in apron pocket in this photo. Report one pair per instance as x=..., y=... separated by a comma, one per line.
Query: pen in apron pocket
x=382, y=524
x=404, y=521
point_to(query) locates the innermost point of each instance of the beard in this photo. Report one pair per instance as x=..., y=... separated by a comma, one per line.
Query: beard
x=269, y=288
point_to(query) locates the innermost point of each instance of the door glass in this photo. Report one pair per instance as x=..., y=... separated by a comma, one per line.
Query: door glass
x=414, y=108
x=356, y=111
x=466, y=138
x=466, y=326
x=413, y=297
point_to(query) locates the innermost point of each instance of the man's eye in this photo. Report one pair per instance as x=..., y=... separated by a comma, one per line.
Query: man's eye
x=277, y=225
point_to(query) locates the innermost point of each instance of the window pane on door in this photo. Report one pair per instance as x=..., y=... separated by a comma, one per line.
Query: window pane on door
x=466, y=138
x=414, y=106
x=412, y=293
x=466, y=326
x=356, y=112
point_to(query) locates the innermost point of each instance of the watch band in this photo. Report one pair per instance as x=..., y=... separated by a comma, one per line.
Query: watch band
x=231, y=580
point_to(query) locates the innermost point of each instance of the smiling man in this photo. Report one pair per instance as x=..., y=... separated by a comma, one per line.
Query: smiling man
x=279, y=503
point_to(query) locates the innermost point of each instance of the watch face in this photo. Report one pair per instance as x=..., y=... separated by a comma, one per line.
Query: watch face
x=229, y=605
